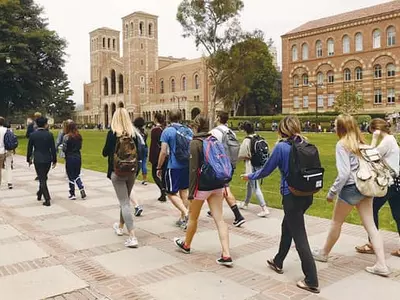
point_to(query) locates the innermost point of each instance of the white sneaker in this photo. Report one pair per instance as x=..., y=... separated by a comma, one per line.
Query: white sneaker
x=316, y=253
x=118, y=231
x=243, y=205
x=263, y=214
x=132, y=243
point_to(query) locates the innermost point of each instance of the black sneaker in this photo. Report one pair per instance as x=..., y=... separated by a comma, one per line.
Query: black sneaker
x=83, y=194
x=138, y=210
x=225, y=261
x=239, y=222
x=209, y=214
x=162, y=199
x=72, y=197
x=10, y=186
x=181, y=245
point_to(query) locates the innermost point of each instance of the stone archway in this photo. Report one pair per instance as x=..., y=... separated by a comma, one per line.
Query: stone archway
x=195, y=112
x=106, y=116
x=113, y=109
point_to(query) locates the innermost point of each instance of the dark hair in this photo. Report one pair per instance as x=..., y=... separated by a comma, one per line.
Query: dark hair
x=175, y=115
x=2, y=121
x=223, y=117
x=72, y=131
x=160, y=118
x=139, y=122
x=248, y=127
x=41, y=122
x=201, y=123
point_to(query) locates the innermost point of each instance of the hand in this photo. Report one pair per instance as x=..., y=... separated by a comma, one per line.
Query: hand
x=30, y=163
x=159, y=174
x=244, y=177
x=54, y=165
x=330, y=200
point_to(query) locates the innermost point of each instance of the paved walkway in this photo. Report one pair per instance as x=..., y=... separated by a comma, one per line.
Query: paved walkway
x=69, y=251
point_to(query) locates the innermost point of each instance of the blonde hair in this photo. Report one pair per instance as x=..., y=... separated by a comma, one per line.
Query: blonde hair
x=379, y=124
x=121, y=122
x=349, y=133
x=289, y=127
x=37, y=115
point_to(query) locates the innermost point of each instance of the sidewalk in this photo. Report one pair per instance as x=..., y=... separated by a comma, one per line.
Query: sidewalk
x=69, y=251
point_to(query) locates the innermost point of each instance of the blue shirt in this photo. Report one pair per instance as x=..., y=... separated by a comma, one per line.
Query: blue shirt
x=168, y=136
x=279, y=158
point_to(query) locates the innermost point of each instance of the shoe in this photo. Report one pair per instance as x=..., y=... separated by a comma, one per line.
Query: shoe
x=302, y=285
x=10, y=186
x=39, y=196
x=118, y=231
x=225, y=261
x=263, y=214
x=243, y=205
x=274, y=267
x=83, y=194
x=184, y=223
x=179, y=223
x=380, y=272
x=163, y=198
x=47, y=203
x=132, y=242
x=71, y=197
x=37, y=178
x=138, y=210
x=239, y=222
x=316, y=253
x=209, y=214
x=144, y=182
x=181, y=245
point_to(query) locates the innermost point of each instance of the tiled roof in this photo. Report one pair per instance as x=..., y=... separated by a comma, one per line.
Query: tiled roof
x=349, y=16
x=181, y=64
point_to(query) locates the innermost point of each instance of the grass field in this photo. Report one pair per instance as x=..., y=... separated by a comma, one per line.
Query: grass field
x=93, y=142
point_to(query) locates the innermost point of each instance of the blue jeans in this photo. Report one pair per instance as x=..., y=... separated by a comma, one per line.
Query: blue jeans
x=253, y=186
x=393, y=197
x=143, y=165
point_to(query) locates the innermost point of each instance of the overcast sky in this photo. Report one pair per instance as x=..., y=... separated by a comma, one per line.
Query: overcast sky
x=74, y=19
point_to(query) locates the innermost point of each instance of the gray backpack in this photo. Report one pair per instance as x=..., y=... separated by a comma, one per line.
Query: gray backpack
x=231, y=145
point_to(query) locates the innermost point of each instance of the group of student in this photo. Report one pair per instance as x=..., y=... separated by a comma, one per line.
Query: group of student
x=8, y=144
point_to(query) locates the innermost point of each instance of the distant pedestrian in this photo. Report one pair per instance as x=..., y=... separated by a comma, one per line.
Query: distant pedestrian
x=32, y=127
x=3, y=151
x=43, y=150
x=9, y=162
x=139, y=123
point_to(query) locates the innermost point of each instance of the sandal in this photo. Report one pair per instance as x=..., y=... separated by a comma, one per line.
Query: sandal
x=274, y=267
x=365, y=249
x=396, y=253
x=301, y=284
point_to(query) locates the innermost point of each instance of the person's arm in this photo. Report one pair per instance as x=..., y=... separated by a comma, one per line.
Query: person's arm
x=53, y=150
x=107, y=146
x=29, y=151
x=162, y=156
x=344, y=171
x=270, y=166
x=65, y=144
x=194, y=165
x=59, y=140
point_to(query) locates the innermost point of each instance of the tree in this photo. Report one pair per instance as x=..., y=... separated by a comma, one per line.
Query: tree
x=31, y=57
x=349, y=101
x=215, y=28
x=60, y=106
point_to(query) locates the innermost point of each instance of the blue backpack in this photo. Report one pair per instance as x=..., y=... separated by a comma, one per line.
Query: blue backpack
x=10, y=140
x=217, y=169
x=184, y=136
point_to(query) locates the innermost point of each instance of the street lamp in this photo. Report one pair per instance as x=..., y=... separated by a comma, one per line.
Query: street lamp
x=317, y=86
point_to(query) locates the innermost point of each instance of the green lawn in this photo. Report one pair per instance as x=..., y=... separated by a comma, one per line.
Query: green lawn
x=93, y=142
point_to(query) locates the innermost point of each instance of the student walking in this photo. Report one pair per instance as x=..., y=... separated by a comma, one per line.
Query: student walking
x=8, y=163
x=155, y=148
x=227, y=137
x=176, y=139
x=121, y=148
x=43, y=150
x=3, y=151
x=389, y=150
x=139, y=124
x=294, y=207
x=344, y=187
x=251, y=157
x=72, y=145
x=200, y=191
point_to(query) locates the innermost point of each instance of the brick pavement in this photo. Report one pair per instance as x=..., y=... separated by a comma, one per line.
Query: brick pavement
x=69, y=251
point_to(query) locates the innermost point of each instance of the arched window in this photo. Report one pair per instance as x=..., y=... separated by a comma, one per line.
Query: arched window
x=305, y=79
x=376, y=36
x=120, y=83
x=184, y=83
x=304, y=51
x=294, y=53
x=331, y=47
x=391, y=36
x=320, y=78
x=359, y=74
x=104, y=42
x=346, y=44
x=377, y=72
x=162, y=86
x=359, y=41
x=113, y=44
x=318, y=48
x=141, y=28
x=347, y=75
x=108, y=43
x=126, y=31
x=391, y=70
x=131, y=31
x=173, y=85
x=331, y=77
x=150, y=29
x=113, y=83
x=196, y=82
x=296, y=81
x=105, y=86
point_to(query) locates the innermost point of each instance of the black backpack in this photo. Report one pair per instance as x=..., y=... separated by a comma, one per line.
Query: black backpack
x=306, y=175
x=259, y=151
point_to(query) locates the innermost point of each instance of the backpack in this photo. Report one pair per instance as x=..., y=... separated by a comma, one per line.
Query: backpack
x=259, y=151
x=182, y=146
x=217, y=169
x=231, y=145
x=125, y=156
x=373, y=175
x=306, y=175
x=10, y=140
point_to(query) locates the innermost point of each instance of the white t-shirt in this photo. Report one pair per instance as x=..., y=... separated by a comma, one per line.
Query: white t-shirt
x=218, y=133
x=390, y=152
x=3, y=131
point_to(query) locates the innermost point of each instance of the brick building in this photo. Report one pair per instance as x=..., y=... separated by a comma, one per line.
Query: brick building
x=359, y=48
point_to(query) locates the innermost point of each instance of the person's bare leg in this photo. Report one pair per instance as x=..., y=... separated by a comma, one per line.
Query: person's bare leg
x=194, y=212
x=366, y=215
x=184, y=194
x=230, y=198
x=178, y=203
x=215, y=203
x=341, y=211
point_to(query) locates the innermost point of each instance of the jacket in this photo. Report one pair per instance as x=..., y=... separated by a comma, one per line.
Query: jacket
x=72, y=146
x=41, y=145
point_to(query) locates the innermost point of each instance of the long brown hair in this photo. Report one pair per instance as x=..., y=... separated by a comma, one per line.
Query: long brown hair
x=72, y=131
x=349, y=133
x=379, y=124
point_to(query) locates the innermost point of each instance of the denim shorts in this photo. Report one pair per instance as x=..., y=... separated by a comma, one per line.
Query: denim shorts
x=351, y=195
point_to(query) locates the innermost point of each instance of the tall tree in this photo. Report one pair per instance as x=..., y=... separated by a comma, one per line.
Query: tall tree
x=349, y=101
x=215, y=27
x=31, y=57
